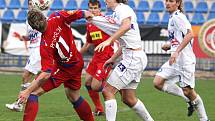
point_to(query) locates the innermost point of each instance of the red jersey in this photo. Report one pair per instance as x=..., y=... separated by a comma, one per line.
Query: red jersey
x=57, y=47
x=97, y=36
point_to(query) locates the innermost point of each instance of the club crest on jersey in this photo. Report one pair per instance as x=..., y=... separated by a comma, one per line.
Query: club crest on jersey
x=206, y=38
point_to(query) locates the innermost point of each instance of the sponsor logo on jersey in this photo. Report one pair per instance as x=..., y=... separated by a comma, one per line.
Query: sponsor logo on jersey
x=96, y=35
x=206, y=38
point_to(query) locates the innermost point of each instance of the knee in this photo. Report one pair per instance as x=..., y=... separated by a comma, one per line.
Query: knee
x=187, y=92
x=157, y=84
x=129, y=101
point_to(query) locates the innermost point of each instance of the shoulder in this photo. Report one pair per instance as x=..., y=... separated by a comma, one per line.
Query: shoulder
x=179, y=16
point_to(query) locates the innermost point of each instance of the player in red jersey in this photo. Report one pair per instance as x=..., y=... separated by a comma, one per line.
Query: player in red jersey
x=61, y=62
x=95, y=73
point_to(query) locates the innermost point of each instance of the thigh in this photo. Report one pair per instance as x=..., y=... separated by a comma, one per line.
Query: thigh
x=167, y=72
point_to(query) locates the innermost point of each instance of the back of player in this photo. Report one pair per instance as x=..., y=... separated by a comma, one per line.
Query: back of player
x=95, y=72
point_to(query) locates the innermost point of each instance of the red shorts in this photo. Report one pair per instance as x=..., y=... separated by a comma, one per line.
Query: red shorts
x=69, y=76
x=97, y=71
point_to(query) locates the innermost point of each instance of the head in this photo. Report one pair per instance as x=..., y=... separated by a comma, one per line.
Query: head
x=94, y=7
x=173, y=5
x=113, y=3
x=30, y=5
x=37, y=20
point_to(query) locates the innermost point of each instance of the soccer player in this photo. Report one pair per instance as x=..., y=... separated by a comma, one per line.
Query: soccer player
x=33, y=65
x=181, y=65
x=126, y=75
x=95, y=73
x=61, y=62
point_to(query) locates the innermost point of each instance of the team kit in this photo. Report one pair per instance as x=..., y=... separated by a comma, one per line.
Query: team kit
x=55, y=60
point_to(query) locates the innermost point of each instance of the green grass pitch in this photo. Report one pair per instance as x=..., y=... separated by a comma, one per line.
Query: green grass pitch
x=55, y=107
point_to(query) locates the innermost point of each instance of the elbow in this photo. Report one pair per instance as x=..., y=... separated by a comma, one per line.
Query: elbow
x=47, y=75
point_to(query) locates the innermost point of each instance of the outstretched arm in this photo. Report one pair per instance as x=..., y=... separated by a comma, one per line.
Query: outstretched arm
x=124, y=27
x=37, y=82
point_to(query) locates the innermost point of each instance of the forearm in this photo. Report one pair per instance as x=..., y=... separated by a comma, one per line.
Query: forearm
x=125, y=26
x=188, y=37
x=117, y=54
x=24, y=38
x=43, y=76
x=85, y=47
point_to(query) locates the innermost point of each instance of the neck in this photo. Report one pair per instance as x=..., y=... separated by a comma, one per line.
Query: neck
x=114, y=6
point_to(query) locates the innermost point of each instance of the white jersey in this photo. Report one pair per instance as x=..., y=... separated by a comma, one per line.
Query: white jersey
x=177, y=29
x=121, y=12
x=34, y=37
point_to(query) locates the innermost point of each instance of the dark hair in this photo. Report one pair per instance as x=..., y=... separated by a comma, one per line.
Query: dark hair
x=180, y=7
x=37, y=20
x=94, y=2
x=122, y=1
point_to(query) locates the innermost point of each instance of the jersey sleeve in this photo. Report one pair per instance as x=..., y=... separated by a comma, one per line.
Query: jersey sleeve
x=70, y=16
x=182, y=23
x=123, y=14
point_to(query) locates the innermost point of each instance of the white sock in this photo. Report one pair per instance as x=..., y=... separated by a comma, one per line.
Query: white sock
x=141, y=110
x=198, y=103
x=110, y=109
x=174, y=89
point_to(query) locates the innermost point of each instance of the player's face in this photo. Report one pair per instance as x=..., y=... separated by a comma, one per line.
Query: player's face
x=171, y=5
x=94, y=9
x=110, y=3
x=30, y=6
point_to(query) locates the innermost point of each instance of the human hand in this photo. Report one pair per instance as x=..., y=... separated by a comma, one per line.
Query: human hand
x=88, y=15
x=17, y=35
x=108, y=63
x=166, y=46
x=23, y=96
x=102, y=45
x=173, y=58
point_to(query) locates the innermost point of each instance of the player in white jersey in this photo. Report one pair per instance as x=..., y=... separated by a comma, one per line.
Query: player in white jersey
x=181, y=65
x=33, y=65
x=126, y=75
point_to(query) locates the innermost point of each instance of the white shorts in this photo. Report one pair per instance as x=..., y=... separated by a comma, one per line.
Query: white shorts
x=33, y=64
x=184, y=75
x=127, y=74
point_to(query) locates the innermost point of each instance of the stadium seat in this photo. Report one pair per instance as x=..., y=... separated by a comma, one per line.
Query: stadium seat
x=22, y=15
x=84, y=5
x=213, y=8
x=143, y=6
x=50, y=12
x=57, y=5
x=14, y=4
x=165, y=19
x=103, y=5
x=188, y=6
x=71, y=5
x=140, y=17
x=25, y=5
x=109, y=12
x=198, y=19
x=211, y=15
x=2, y=4
x=132, y=4
x=202, y=7
x=158, y=6
x=153, y=18
x=8, y=16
